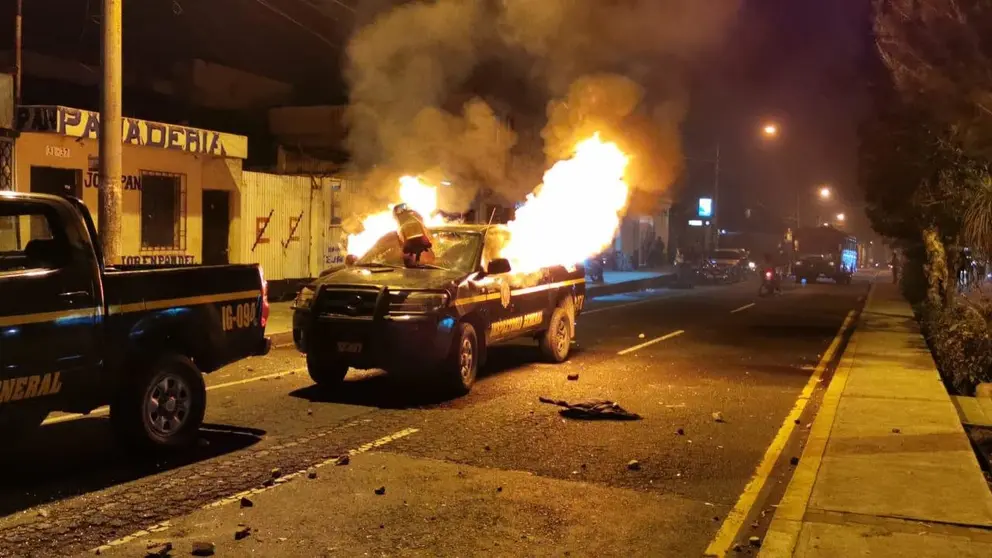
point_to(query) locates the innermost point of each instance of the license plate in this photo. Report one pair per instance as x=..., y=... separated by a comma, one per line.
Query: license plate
x=347, y=347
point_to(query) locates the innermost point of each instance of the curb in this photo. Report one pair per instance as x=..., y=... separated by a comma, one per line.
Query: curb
x=285, y=338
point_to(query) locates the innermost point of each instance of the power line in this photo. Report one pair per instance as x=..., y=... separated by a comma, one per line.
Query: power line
x=290, y=18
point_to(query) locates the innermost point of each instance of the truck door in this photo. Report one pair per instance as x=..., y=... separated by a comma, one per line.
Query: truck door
x=48, y=312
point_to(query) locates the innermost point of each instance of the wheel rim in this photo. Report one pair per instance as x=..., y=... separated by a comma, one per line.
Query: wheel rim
x=561, y=337
x=167, y=404
x=466, y=358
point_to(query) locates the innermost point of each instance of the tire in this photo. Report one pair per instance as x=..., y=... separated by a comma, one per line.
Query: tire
x=325, y=374
x=556, y=341
x=161, y=407
x=461, y=368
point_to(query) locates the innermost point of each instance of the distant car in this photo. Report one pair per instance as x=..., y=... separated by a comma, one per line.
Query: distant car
x=811, y=267
x=437, y=321
x=730, y=264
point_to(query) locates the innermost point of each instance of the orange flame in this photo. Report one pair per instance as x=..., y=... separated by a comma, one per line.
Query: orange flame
x=418, y=196
x=575, y=213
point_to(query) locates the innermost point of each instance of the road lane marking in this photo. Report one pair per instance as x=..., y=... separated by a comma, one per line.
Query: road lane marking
x=159, y=527
x=742, y=308
x=651, y=342
x=724, y=539
x=105, y=410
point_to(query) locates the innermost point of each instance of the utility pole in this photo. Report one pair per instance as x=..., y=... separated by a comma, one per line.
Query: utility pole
x=110, y=134
x=18, y=54
x=716, y=199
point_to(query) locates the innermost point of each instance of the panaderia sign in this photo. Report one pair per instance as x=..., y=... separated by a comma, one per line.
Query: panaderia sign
x=78, y=123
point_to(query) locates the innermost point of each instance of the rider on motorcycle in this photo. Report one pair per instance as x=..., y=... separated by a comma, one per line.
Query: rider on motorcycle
x=771, y=268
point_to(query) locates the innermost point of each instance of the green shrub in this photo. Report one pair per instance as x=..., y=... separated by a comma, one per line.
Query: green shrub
x=960, y=342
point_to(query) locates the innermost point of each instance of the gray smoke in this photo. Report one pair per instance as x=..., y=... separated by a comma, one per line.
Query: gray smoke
x=485, y=93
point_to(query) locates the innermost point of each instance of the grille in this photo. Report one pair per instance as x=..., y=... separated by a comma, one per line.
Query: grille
x=352, y=303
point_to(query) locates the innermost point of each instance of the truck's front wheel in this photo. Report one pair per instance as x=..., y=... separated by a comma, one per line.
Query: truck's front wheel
x=325, y=373
x=162, y=407
x=459, y=371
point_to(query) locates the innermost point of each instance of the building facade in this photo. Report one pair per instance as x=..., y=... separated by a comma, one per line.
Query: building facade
x=181, y=185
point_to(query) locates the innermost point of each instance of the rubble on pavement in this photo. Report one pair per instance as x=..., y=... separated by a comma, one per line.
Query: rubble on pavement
x=592, y=409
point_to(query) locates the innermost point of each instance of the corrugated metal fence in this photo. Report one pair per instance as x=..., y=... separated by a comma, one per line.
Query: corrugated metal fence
x=291, y=225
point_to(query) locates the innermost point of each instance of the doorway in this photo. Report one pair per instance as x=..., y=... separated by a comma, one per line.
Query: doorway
x=57, y=181
x=216, y=226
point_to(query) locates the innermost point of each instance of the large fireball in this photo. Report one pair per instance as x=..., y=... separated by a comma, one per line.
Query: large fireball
x=418, y=196
x=575, y=213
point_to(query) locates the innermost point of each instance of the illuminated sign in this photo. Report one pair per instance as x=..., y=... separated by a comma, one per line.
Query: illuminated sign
x=695, y=223
x=705, y=208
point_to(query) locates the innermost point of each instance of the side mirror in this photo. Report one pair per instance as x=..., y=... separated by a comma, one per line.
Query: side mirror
x=497, y=266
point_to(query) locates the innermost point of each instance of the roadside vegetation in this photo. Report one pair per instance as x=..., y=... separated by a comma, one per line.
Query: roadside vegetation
x=925, y=159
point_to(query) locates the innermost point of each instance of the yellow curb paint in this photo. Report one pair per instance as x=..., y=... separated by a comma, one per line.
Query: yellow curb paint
x=724, y=539
x=651, y=342
x=787, y=523
x=105, y=410
x=237, y=497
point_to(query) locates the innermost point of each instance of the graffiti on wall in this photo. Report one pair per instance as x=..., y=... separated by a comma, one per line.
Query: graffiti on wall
x=334, y=255
x=85, y=124
x=159, y=259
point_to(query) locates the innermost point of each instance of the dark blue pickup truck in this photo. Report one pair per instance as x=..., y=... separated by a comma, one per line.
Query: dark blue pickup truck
x=75, y=336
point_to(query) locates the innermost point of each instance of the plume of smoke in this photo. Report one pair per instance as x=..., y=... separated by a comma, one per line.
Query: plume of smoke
x=425, y=78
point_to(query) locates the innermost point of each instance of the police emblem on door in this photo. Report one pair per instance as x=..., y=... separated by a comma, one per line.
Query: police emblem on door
x=504, y=294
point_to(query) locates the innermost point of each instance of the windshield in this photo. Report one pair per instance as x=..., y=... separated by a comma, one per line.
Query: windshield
x=455, y=250
x=727, y=255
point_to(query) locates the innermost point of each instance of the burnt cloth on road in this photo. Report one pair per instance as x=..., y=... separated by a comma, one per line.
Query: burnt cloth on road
x=749, y=366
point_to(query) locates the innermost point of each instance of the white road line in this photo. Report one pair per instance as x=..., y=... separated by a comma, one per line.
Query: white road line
x=102, y=411
x=159, y=527
x=742, y=308
x=652, y=342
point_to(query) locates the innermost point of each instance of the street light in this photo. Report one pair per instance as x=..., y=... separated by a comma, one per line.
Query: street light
x=770, y=130
x=840, y=217
x=825, y=192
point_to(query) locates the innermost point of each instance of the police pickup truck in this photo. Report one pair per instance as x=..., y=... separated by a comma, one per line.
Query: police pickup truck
x=438, y=319
x=75, y=336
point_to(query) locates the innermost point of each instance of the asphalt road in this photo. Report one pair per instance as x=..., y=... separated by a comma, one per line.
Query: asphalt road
x=746, y=358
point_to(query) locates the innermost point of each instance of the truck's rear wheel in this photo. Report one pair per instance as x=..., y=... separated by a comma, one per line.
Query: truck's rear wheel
x=459, y=371
x=325, y=374
x=162, y=407
x=556, y=341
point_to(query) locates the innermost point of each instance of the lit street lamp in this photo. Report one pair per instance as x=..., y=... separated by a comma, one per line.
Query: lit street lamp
x=770, y=130
x=840, y=217
x=825, y=192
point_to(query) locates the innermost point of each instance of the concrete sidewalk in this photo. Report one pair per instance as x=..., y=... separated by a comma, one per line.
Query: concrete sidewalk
x=280, y=326
x=887, y=469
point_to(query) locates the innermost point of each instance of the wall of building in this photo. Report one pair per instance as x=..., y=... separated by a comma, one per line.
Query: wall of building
x=198, y=172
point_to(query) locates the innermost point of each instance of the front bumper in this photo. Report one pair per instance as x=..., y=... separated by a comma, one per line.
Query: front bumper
x=388, y=342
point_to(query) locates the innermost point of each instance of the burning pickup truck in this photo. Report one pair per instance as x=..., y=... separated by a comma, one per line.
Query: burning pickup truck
x=437, y=319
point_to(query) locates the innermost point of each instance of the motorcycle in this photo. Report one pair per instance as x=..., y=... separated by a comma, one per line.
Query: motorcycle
x=770, y=283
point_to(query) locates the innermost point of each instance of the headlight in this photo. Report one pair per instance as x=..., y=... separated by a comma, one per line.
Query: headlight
x=751, y=266
x=401, y=302
x=304, y=299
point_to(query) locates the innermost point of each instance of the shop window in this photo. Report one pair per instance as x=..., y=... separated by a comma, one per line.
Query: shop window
x=163, y=211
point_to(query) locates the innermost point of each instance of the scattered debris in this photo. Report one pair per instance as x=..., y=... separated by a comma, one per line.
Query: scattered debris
x=487, y=448
x=754, y=541
x=204, y=549
x=382, y=525
x=276, y=473
x=380, y=491
x=282, y=539
x=343, y=460
x=309, y=411
x=158, y=549
x=717, y=417
x=755, y=525
x=794, y=461
x=572, y=377
x=311, y=473
x=592, y=409
x=246, y=502
x=634, y=465
x=738, y=548
x=716, y=518
x=243, y=532
x=680, y=432
x=797, y=421
x=499, y=489
x=43, y=513
x=896, y=430
x=269, y=483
